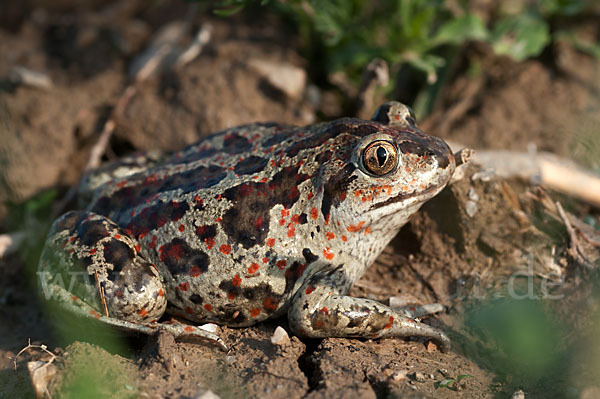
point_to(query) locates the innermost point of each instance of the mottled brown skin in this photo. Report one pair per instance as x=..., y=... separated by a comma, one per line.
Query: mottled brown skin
x=249, y=224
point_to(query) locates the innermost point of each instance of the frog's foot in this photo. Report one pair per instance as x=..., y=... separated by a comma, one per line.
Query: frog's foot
x=179, y=330
x=418, y=312
x=320, y=309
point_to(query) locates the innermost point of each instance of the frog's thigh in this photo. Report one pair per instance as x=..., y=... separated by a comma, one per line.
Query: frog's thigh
x=319, y=310
x=92, y=259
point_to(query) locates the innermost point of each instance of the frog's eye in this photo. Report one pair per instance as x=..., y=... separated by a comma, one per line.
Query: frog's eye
x=380, y=157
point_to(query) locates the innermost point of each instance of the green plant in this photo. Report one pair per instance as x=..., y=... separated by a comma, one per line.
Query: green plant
x=345, y=35
x=452, y=383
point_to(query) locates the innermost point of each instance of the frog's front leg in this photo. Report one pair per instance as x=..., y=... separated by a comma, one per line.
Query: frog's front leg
x=92, y=268
x=321, y=309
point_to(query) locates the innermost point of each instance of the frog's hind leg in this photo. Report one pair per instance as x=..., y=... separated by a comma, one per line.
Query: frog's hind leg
x=91, y=267
x=101, y=266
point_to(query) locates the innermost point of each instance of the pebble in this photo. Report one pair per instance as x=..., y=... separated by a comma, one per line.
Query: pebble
x=419, y=377
x=288, y=78
x=280, y=337
x=518, y=394
x=41, y=373
x=208, y=394
x=471, y=208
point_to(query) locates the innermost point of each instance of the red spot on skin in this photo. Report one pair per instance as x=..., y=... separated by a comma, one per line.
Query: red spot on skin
x=184, y=286
x=245, y=190
x=93, y=251
x=325, y=311
x=291, y=230
x=95, y=314
x=237, y=280
x=137, y=248
x=328, y=254
x=258, y=223
x=344, y=238
x=181, y=227
x=282, y=222
x=326, y=220
x=117, y=236
x=74, y=297
x=210, y=242
x=225, y=248
x=390, y=324
x=281, y=264
x=296, y=219
x=269, y=304
x=309, y=290
x=189, y=329
x=152, y=244
x=285, y=213
x=265, y=260
x=231, y=296
x=189, y=310
x=343, y=196
x=330, y=235
x=319, y=324
x=368, y=230
x=142, y=235
x=254, y=312
x=270, y=242
x=132, y=213
x=161, y=292
x=219, y=219
x=310, y=195
x=195, y=271
x=71, y=239
x=314, y=213
x=208, y=307
x=263, y=180
x=356, y=227
x=253, y=268
x=121, y=184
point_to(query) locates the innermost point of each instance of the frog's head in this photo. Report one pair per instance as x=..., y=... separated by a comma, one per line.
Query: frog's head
x=391, y=169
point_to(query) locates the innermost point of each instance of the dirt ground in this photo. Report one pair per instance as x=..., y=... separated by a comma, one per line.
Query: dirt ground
x=522, y=311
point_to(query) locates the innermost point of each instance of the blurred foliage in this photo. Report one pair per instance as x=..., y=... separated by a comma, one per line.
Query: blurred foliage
x=345, y=35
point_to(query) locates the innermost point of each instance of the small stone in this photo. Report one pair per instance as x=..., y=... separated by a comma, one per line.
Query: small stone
x=399, y=375
x=518, y=394
x=210, y=327
x=419, y=377
x=230, y=359
x=484, y=175
x=471, y=208
x=41, y=373
x=288, y=78
x=280, y=337
x=472, y=194
x=207, y=394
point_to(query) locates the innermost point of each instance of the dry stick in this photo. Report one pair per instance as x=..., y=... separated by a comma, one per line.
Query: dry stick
x=101, y=294
x=29, y=346
x=574, y=249
x=542, y=168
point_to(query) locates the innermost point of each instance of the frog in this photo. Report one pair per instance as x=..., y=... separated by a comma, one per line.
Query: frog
x=254, y=222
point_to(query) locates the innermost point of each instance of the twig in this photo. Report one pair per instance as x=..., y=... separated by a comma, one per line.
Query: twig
x=101, y=293
x=542, y=168
x=574, y=249
x=29, y=346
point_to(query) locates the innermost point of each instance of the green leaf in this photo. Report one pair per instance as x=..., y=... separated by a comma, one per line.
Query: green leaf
x=447, y=383
x=582, y=45
x=520, y=36
x=226, y=12
x=466, y=27
x=462, y=377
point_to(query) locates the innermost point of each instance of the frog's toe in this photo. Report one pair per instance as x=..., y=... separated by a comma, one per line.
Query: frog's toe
x=417, y=312
x=186, y=332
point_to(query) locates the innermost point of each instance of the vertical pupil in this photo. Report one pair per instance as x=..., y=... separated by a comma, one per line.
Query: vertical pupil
x=381, y=156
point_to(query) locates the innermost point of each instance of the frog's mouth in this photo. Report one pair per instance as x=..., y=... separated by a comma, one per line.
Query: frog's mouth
x=427, y=193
